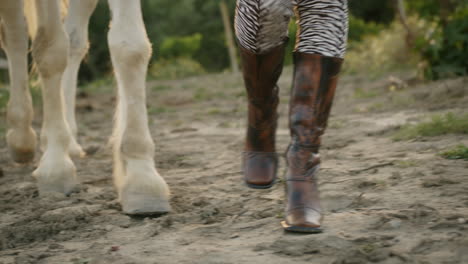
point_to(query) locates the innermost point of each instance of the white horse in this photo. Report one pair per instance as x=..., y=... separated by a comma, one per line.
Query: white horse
x=57, y=49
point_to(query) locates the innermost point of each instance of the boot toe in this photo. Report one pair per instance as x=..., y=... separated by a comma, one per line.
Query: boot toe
x=304, y=220
x=260, y=169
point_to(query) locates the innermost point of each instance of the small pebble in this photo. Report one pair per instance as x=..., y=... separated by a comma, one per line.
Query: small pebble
x=114, y=248
x=461, y=221
x=395, y=223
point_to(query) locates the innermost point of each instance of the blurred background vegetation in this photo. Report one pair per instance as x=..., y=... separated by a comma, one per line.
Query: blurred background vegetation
x=188, y=38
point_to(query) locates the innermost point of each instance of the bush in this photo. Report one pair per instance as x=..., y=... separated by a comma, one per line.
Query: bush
x=175, y=68
x=174, y=47
x=384, y=51
x=381, y=12
x=358, y=28
x=444, y=48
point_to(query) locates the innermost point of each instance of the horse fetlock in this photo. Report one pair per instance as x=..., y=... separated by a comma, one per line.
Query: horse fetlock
x=75, y=150
x=21, y=144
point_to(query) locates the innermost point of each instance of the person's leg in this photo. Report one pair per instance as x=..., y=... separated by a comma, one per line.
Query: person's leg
x=261, y=30
x=318, y=56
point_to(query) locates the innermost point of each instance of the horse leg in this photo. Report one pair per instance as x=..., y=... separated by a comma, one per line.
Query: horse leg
x=56, y=171
x=76, y=26
x=141, y=189
x=21, y=138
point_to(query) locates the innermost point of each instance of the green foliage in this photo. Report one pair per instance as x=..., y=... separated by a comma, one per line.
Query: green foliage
x=427, y=9
x=97, y=64
x=4, y=95
x=174, y=47
x=358, y=28
x=205, y=94
x=434, y=10
x=175, y=68
x=34, y=89
x=360, y=93
x=438, y=125
x=288, y=59
x=384, y=51
x=160, y=110
x=444, y=48
x=103, y=85
x=168, y=18
x=457, y=152
x=380, y=12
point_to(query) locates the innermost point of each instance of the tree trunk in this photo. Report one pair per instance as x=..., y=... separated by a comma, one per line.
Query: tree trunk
x=403, y=20
x=229, y=36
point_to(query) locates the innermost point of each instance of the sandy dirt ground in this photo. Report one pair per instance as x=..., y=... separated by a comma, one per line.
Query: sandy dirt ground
x=386, y=201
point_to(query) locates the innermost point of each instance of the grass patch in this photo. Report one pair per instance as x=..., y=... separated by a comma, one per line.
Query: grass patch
x=360, y=93
x=175, y=68
x=103, y=85
x=160, y=110
x=2, y=131
x=204, y=94
x=214, y=111
x=457, y=152
x=34, y=89
x=404, y=164
x=376, y=107
x=368, y=248
x=4, y=95
x=158, y=88
x=438, y=125
x=402, y=100
x=224, y=124
x=241, y=93
x=337, y=123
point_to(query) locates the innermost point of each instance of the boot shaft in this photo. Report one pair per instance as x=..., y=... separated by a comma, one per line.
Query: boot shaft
x=314, y=83
x=261, y=73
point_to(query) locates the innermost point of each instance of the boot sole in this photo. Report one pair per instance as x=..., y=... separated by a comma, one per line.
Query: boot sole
x=301, y=229
x=255, y=186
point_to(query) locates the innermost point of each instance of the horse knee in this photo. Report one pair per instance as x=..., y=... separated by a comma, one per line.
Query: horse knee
x=130, y=51
x=49, y=51
x=79, y=45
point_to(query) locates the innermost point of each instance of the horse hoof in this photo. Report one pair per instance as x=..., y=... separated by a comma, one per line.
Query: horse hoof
x=76, y=151
x=22, y=155
x=141, y=204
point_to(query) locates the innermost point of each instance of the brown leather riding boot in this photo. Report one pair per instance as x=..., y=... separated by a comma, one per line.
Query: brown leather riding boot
x=261, y=73
x=315, y=79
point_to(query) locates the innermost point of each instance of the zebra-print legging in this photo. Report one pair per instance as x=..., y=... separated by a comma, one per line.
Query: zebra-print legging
x=322, y=25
